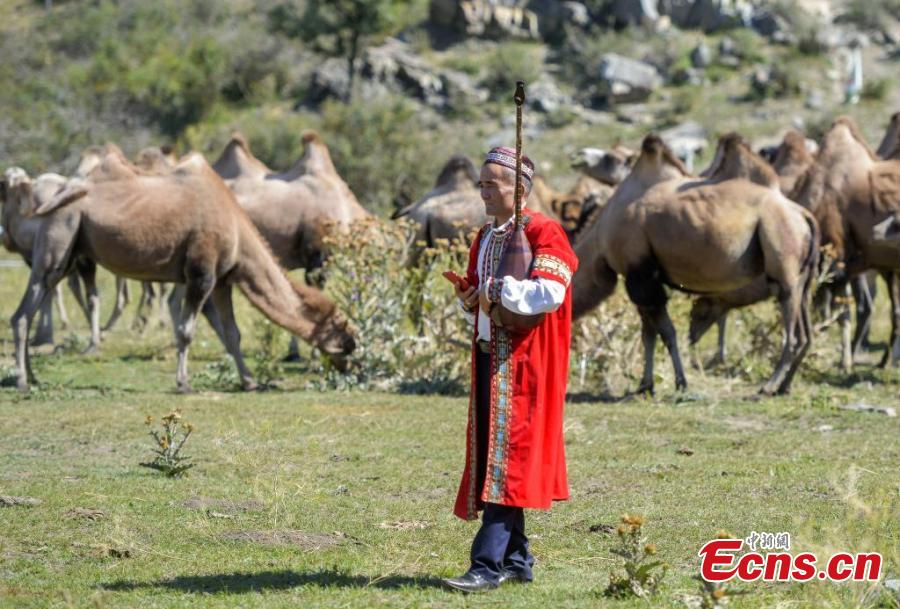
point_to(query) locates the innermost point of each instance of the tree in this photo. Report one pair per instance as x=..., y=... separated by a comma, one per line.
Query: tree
x=341, y=28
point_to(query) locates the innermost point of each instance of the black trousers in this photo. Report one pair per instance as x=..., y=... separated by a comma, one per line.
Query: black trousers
x=501, y=543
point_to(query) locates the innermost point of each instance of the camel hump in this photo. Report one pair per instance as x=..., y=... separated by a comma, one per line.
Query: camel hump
x=458, y=168
x=15, y=176
x=237, y=159
x=316, y=158
x=654, y=146
x=193, y=163
x=71, y=191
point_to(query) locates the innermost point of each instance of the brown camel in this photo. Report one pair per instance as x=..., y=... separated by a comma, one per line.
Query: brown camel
x=183, y=227
x=708, y=236
x=292, y=210
x=734, y=159
x=850, y=191
x=19, y=231
x=450, y=210
x=792, y=159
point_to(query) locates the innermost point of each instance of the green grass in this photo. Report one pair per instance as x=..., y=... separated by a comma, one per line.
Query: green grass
x=340, y=470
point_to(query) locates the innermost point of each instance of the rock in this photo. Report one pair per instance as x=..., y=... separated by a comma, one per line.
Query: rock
x=892, y=584
x=10, y=501
x=863, y=407
x=824, y=428
x=686, y=141
x=708, y=15
x=726, y=47
x=815, y=100
x=485, y=18
x=577, y=13
x=623, y=13
x=623, y=79
x=701, y=56
x=773, y=26
x=545, y=96
x=330, y=79
x=688, y=76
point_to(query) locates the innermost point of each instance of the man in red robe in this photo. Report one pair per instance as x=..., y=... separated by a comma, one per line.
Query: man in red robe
x=515, y=457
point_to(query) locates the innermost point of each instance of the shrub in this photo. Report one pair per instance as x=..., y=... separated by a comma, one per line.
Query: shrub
x=168, y=445
x=643, y=574
x=411, y=334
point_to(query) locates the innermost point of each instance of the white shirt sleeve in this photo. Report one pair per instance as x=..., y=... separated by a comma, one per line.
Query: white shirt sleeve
x=532, y=296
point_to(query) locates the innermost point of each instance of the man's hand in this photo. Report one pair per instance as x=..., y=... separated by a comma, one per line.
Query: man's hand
x=469, y=296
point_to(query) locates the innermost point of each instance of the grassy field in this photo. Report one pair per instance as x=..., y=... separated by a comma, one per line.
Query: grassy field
x=307, y=499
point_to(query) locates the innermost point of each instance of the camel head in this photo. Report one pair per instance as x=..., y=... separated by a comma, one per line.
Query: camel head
x=607, y=166
x=16, y=193
x=705, y=311
x=458, y=169
x=890, y=145
x=568, y=209
x=332, y=333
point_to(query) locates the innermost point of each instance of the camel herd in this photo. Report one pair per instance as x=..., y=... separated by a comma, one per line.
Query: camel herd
x=749, y=227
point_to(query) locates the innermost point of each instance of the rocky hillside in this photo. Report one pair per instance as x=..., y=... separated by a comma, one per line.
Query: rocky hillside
x=432, y=78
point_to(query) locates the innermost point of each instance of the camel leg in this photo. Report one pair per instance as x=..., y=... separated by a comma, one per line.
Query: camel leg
x=145, y=304
x=43, y=335
x=293, y=351
x=231, y=335
x=648, y=339
x=197, y=291
x=890, y=353
x=165, y=289
x=87, y=269
x=801, y=347
x=846, y=344
x=61, y=307
x=794, y=338
x=720, y=354
x=75, y=287
x=863, y=298
x=121, y=302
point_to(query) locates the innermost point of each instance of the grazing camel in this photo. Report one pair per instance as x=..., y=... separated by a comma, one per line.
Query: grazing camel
x=706, y=236
x=183, y=227
x=850, y=191
x=19, y=231
x=292, y=210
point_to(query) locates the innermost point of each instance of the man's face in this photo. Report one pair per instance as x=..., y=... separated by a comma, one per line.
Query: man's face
x=498, y=185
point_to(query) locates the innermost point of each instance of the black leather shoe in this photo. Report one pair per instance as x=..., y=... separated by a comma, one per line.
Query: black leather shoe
x=469, y=582
x=512, y=576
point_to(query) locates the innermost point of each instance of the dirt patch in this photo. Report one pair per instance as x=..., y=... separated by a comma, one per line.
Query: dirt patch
x=223, y=506
x=402, y=525
x=102, y=550
x=10, y=501
x=744, y=424
x=297, y=539
x=88, y=513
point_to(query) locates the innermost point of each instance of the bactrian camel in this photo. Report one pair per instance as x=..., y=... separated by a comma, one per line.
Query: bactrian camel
x=851, y=191
x=700, y=236
x=16, y=192
x=183, y=227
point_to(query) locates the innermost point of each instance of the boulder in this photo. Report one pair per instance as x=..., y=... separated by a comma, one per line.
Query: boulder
x=708, y=15
x=701, y=56
x=622, y=13
x=623, y=79
x=485, y=18
x=686, y=140
x=330, y=79
x=545, y=96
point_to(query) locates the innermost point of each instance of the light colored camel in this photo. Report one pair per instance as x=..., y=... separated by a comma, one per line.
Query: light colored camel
x=850, y=191
x=183, y=227
x=19, y=231
x=450, y=210
x=707, y=236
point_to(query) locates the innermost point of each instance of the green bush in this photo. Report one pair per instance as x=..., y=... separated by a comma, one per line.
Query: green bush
x=508, y=63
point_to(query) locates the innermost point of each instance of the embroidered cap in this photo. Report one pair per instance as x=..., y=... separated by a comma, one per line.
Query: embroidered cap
x=506, y=156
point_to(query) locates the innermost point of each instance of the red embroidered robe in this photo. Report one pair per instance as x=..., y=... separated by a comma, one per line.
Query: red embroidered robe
x=526, y=464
